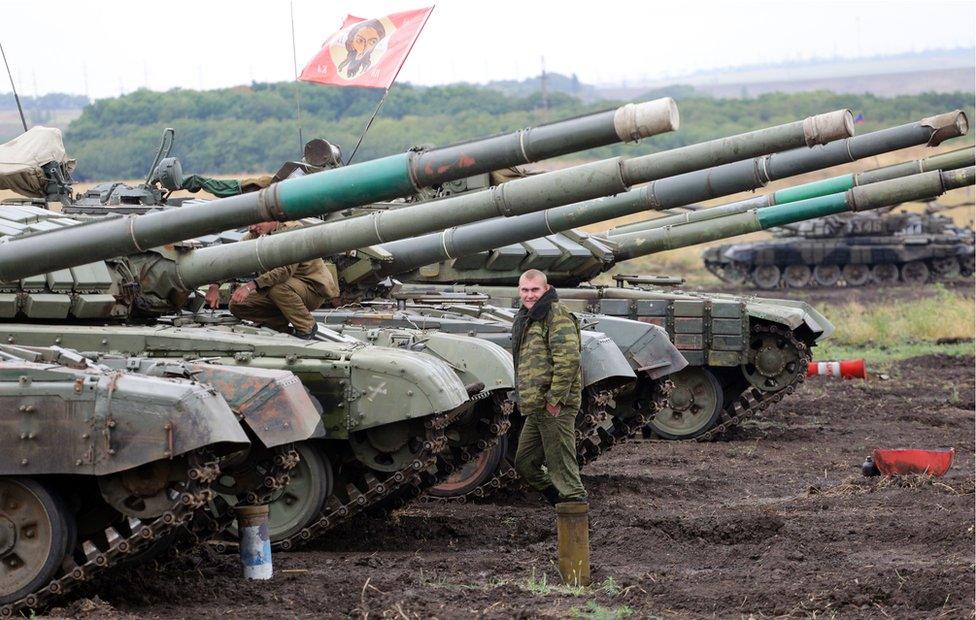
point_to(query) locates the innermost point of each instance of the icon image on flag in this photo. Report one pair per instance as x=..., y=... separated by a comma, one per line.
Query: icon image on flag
x=366, y=52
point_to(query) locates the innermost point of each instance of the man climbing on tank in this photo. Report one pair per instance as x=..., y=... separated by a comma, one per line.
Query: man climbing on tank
x=283, y=295
x=548, y=384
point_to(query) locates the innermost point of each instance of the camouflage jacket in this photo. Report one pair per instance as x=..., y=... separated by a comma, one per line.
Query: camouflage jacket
x=312, y=272
x=546, y=351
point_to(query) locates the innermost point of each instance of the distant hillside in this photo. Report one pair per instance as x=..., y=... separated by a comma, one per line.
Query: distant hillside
x=939, y=71
x=253, y=129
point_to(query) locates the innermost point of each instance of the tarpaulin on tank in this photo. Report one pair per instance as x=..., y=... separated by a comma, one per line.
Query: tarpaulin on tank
x=222, y=188
x=21, y=160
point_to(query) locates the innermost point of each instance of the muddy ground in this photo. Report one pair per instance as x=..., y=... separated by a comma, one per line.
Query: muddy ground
x=774, y=521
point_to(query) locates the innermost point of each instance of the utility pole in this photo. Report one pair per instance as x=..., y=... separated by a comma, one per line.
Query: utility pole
x=544, y=87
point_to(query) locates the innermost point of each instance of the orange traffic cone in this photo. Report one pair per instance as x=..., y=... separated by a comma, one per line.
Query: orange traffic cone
x=845, y=369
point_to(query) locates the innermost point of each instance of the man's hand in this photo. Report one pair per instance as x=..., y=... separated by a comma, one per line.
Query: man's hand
x=212, y=298
x=553, y=410
x=243, y=291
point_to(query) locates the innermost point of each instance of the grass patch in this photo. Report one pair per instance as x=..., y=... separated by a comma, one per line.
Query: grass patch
x=942, y=323
x=595, y=611
x=944, y=315
x=881, y=355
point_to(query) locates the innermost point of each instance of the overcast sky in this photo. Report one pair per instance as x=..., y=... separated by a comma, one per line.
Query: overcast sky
x=109, y=47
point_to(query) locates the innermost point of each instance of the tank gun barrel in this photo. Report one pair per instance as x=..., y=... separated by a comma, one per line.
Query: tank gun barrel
x=332, y=190
x=952, y=160
x=922, y=186
x=664, y=193
x=517, y=197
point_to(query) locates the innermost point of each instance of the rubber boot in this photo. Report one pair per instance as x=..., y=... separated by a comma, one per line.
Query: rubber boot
x=573, y=542
x=551, y=495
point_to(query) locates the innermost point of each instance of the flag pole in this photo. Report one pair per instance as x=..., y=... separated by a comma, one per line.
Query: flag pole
x=14, y=88
x=298, y=85
x=387, y=92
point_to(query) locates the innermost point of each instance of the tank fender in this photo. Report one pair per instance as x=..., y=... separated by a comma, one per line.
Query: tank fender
x=273, y=403
x=603, y=360
x=100, y=424
x=420, y=384
x=646, y=347
x=474, y=359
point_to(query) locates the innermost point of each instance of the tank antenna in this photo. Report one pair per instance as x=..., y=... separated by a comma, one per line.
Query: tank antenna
x=298, y=86
x=13, y=88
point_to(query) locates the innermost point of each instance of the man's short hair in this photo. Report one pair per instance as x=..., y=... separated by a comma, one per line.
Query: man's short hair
x=534, y=274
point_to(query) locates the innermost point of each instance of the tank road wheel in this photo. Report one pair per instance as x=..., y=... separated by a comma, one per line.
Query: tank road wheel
x=946, y=268
x=34, y=537
x=826, y=275
x=797, y=276
x=301, y=501
x=766, y=276
x=774, y=359
x=736, y=273
x=884, y=273
x=915, y=272
x=967, y=265
x=473, y=473
x=694, y=407
x=390, y=447
x=856, y=274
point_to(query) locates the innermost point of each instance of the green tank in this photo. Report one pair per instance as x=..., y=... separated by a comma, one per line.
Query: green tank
x=880, y=247
x=733, y=386
x=448, y=389
x=97, y=464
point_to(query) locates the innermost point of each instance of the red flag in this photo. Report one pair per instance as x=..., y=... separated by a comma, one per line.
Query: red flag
x=366, y=52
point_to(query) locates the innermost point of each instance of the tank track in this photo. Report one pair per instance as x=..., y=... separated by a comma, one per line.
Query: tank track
x=431, y=466
x=219, y=514
x=753, y=400
x=596, y=432
x=102, y=556
x=935, y=275
x=446, y=465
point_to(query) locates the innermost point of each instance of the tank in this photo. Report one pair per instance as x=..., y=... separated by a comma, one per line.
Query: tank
x=448, y=389
x=851, y=250
x=97, y=463
x=881, y=247
x=477, y=255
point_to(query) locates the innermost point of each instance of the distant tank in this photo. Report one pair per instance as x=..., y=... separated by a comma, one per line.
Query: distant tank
x=96, y=464
x=853, y=250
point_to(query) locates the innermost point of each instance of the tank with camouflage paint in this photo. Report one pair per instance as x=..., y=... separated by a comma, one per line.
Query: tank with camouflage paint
x=880, y=247
x=715, y=332
x=96, y=464
x=387, y=413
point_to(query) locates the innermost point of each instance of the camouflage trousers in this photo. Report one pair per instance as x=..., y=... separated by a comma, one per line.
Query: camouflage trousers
x=550, y=441
x=275, y=307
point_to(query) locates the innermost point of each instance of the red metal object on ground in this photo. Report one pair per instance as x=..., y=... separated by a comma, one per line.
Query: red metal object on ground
x=902, y=462
x=845, y=369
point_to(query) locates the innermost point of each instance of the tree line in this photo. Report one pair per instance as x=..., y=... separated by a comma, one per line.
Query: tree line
x=255, y=128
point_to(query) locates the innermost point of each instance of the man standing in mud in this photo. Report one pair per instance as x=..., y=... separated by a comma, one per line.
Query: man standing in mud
x=548, y=385
x=282, y=295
